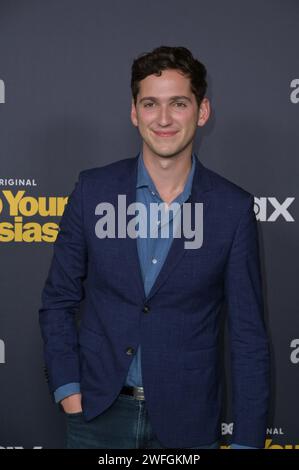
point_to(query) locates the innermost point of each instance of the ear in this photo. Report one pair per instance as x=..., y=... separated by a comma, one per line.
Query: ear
x=204, y=112
x=134, y=118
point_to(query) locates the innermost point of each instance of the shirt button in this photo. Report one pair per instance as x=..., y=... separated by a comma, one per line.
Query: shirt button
x=146, y=309
x=154, y=260
x=153, y=193
x=129, y=351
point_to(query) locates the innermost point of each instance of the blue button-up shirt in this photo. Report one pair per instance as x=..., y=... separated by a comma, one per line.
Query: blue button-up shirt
x=152, y=251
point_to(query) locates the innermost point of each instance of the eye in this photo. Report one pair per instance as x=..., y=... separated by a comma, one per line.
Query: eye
x=181, y=105
x=148, y=105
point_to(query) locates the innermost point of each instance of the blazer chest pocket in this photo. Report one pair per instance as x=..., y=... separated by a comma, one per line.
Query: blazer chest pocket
x=213, y=252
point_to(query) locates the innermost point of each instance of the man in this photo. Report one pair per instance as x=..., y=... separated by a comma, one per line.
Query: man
x=142, y=371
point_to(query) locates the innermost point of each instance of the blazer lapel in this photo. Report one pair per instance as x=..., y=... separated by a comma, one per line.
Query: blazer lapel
x=127, y=185
x=201, y=185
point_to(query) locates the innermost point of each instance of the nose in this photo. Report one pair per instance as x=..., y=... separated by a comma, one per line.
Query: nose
x=164, y=117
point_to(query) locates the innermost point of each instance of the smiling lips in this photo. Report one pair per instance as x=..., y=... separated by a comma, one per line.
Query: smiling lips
x=165, y=134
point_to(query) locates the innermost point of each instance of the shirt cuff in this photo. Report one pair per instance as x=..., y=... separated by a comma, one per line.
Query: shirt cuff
x=66, y=390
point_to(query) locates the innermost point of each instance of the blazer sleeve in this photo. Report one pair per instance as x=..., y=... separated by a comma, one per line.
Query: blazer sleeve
x=62, y=293
x=249, y=347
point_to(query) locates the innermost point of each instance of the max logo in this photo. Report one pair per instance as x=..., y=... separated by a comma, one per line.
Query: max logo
x=2, y=92
x=295, y=353
x=268, y=209
x=294, y=96
x=227, y=428
x=2, y=352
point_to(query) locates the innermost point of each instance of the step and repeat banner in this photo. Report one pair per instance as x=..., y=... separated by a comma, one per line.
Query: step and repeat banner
x=65, y=106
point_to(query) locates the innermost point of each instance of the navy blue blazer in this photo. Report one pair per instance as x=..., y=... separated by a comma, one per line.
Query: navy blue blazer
x=177, y=324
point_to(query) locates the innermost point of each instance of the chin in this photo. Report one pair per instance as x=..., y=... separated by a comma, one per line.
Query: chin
x=167, y=154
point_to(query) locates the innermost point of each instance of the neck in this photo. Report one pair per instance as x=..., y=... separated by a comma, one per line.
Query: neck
x=169, y=174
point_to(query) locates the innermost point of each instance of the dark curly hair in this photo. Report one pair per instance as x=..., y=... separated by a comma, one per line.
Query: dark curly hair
x=163, y=58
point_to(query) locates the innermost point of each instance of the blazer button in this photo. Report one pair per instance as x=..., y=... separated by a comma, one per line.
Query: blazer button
x=129, y=351
x=146, y=309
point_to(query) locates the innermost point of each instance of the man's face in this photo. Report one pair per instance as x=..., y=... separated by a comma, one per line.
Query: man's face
x=167, y=113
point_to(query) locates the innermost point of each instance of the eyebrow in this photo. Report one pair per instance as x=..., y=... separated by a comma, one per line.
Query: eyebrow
x=172, y=98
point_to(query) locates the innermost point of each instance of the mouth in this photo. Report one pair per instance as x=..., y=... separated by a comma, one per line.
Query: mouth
x=165, y=134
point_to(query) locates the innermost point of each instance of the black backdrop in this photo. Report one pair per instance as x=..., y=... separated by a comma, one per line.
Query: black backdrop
x=64, y=106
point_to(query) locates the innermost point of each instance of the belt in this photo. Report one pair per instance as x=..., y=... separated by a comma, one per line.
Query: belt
x=136, y=392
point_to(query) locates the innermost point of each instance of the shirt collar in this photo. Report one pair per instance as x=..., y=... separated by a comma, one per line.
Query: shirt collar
x=144, y=179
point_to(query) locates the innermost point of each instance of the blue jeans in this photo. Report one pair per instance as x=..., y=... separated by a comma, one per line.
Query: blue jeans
x=124, y=425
